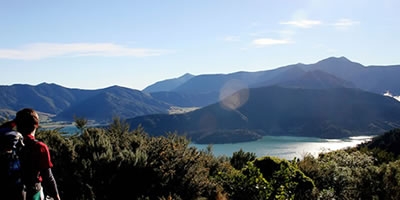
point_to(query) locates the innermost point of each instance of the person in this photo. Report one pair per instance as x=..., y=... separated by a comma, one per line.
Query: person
x=35, y=159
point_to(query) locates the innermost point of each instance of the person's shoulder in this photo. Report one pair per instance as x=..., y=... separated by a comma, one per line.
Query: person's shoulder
x=41, y=146
x=41, y=143
x=35, y=142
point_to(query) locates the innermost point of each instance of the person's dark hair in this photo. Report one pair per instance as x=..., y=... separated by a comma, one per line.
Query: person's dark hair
x=26, y=121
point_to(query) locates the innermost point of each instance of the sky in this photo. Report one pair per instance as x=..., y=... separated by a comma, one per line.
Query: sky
x=91, y=44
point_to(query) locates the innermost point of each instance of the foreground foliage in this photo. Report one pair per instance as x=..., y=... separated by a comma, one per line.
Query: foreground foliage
x=115, y=163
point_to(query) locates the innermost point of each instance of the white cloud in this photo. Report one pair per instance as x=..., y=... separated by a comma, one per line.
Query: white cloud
x=390, y=95
x=304, y=23
x=269, y=41
x=345, y=23
x=39, y=51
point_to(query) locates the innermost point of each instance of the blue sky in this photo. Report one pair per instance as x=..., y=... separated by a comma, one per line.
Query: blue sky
x=96, y=44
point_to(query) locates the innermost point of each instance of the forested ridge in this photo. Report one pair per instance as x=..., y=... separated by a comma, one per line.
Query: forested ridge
x=116, y=163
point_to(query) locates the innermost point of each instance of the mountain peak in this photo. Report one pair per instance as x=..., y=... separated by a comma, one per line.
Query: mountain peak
x=168, y=84
x=338, y=64
x=341, y=59
x=187, y=75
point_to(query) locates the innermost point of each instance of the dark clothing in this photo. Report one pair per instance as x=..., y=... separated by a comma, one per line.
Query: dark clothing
x=36, y=168
x=11, y=186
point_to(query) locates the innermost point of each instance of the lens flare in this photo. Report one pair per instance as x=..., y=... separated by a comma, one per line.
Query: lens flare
x=234, y=94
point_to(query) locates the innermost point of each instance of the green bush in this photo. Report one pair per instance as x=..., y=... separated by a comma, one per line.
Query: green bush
x=286, y=179
x=114, y=163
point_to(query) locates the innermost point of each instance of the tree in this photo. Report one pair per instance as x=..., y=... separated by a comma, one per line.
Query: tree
x=240, y=158
x=246, y=183
x=343, y=175
x=80, y=123
x=390, y=174
x=287, y=180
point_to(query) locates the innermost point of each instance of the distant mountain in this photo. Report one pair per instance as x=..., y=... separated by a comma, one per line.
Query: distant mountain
x=380, y=79
x=328, y=113
x=209, y=90
x=186, y=100
x=332, y=72
x=285, y=75
x=63, y=103
x=114, y=102
x=168, y=85
x=206, y=89
x=215, y=83
x=6, y=114
x=49, y=98
x=317, y=79
x=340, y=67
x=377, y=79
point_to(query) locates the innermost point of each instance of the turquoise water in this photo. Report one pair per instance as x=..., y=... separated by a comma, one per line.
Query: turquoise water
x=286, y=147
x=70, y=129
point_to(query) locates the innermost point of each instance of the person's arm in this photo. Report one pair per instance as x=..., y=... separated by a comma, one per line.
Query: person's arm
x=49, y=184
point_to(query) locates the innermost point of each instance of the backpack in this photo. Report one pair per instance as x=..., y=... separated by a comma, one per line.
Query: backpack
x=11, y=142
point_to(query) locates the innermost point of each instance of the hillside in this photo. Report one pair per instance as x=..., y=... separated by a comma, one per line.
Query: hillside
x=64, y=103
x=388, y=142
x=330, y=113
x=49, y=98
x=316, y=79
x=168, y=85
x=114, y=102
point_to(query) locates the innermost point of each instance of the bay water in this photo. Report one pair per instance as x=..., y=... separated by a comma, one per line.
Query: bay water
x=285, y=147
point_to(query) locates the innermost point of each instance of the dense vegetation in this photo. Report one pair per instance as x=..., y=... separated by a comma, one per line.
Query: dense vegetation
x=116, y=163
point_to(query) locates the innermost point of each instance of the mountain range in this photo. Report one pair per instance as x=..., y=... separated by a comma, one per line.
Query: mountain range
x=274, y=110
x=332, y=98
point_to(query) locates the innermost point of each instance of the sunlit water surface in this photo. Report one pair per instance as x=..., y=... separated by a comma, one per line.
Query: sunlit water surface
x=286, y=147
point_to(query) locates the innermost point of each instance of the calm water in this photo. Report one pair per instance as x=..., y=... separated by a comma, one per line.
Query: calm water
x=286, y=147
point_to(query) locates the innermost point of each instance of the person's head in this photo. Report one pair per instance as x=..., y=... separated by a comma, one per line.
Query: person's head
x=26, y=120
